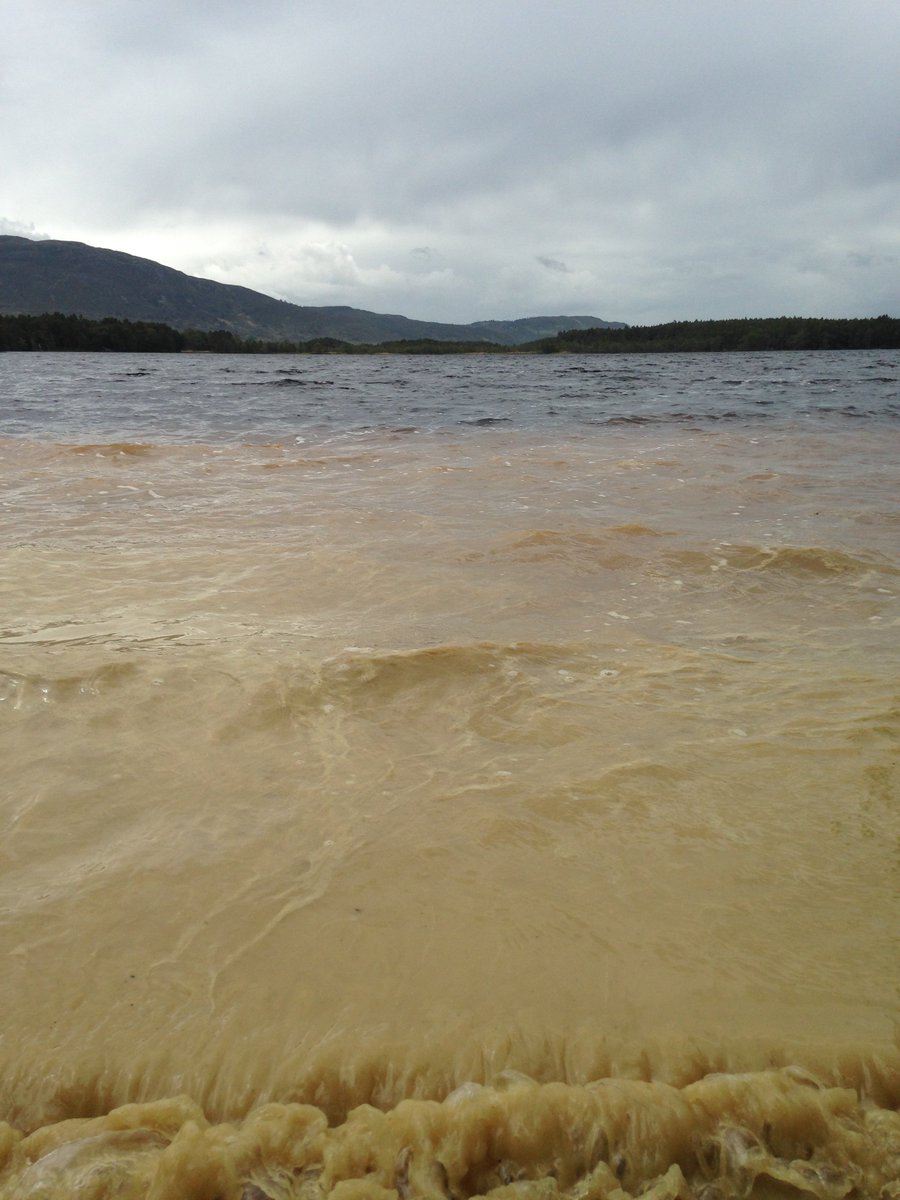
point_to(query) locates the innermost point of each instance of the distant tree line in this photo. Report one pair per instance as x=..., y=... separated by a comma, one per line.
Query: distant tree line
x=66, y=331
x=59, y=331
x=771, y=333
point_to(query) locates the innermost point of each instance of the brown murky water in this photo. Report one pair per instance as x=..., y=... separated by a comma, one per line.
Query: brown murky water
x=537, y=793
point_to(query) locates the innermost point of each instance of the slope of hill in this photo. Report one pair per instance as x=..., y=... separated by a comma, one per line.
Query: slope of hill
x=70, y=277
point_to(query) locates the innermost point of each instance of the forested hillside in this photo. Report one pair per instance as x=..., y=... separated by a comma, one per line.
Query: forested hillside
x=60, y=331
x=770, y=333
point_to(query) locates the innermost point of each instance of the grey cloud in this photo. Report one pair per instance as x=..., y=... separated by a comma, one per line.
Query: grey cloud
x=661, y=148
x=865, y=261
x=553, y=264
x=21, y=229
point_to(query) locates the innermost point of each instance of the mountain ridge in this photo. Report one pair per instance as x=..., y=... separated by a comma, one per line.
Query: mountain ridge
x=38, y=276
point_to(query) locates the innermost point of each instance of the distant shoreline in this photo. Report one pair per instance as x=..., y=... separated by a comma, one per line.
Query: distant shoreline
x=70, y=332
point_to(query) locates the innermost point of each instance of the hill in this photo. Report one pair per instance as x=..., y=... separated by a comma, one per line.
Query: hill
x=70, y=277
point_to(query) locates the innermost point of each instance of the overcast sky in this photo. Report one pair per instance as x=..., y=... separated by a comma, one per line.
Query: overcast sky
x=637, y=160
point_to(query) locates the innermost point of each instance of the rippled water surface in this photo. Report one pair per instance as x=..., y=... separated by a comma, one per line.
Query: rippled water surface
x=449, y=775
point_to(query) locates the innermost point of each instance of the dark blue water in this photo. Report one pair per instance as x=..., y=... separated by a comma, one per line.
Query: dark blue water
x=228, y=397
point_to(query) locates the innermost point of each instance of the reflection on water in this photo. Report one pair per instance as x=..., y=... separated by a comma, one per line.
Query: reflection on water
x=450, y=774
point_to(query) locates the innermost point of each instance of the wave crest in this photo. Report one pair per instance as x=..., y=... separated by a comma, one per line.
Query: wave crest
x=782, y=1131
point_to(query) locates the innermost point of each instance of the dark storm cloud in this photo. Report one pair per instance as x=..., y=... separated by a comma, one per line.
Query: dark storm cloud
x=682, y=160
x=553, y=264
